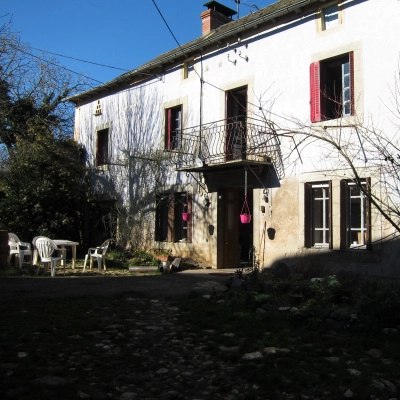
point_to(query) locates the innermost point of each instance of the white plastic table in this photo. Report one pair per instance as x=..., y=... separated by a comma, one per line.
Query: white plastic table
x=62, y=243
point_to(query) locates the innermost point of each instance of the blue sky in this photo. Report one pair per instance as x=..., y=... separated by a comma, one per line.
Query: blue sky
x=120, y=33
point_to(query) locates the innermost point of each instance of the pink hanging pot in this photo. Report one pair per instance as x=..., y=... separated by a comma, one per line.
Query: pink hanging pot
x=245, y=216
x=186, y=216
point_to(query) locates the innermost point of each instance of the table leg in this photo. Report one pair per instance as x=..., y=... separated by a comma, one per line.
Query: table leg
x=73, y=256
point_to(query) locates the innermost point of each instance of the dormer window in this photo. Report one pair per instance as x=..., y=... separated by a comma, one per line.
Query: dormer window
x=330, y=17
x=188, y=69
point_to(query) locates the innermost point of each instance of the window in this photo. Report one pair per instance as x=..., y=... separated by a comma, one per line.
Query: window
x=355, y=214
x=188, y=69
x=332, y=88
x=102, y=147
x=330, y=17
x=170, y=226
x=317, y=225
x=173, y=128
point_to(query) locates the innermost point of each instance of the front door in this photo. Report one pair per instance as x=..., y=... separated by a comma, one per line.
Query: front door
x=236, y=240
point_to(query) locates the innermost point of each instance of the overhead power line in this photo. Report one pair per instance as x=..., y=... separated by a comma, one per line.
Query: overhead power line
x=78, y=59
x=57, y=65
x=176, y=40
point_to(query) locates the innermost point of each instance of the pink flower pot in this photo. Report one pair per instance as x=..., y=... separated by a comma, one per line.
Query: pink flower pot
x=245, y=218
x=186, y=216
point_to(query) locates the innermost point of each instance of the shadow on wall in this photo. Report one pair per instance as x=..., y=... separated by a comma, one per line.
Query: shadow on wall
x=381, y=261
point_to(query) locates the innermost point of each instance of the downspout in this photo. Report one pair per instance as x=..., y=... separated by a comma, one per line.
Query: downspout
x=201, y=103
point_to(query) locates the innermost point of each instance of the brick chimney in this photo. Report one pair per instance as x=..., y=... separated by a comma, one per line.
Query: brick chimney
x=216, y=15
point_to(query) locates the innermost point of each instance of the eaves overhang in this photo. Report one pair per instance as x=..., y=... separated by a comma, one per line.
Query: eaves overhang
x=269, y=13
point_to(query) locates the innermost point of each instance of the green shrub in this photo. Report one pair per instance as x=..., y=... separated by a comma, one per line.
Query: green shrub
x=142, y=258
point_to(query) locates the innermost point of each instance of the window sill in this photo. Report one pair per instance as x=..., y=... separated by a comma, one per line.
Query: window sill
x=358, y=247
x=102, y=168
x=342, y=122
x=320, y=246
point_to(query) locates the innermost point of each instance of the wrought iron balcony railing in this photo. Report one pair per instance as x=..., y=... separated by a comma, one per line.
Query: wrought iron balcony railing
x=220, y=142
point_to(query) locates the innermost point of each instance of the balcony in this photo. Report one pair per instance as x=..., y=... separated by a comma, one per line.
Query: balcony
x=220, y=147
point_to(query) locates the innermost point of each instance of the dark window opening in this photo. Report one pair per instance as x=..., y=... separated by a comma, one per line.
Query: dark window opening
x=170, y=225
x=102, y=147
x=332, y=88
x=173, y=128
x=236, y=112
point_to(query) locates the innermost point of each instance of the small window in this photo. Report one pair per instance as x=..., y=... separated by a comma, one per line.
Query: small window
x=355, y=212
x=330, y=17
x=173, y=128
x=188, y=69
x=170, y=226
x=332, y=88
x=102, y=147
x=317, y=224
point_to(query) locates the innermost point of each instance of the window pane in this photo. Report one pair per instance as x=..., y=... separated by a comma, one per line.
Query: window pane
x=355, y=213
x=346, y=68
x=318, y=237
x=331, y=16
x=318, y=214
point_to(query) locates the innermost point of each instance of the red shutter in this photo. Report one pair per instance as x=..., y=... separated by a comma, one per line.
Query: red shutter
x=315, y=92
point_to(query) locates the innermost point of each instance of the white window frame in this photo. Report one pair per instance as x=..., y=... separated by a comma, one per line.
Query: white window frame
x=325, y=210
x=362, y=229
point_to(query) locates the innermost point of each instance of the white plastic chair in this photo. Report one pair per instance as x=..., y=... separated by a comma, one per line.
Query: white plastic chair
x=45, y=248
x=19, y=249
x=99, y=253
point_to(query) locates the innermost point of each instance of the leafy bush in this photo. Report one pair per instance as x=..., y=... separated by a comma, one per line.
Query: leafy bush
x=140, y=257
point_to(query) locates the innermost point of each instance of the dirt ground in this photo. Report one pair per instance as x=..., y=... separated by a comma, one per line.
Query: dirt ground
x=171, y=286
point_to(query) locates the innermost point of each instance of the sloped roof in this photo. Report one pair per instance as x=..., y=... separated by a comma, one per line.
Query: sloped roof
x=266, y=14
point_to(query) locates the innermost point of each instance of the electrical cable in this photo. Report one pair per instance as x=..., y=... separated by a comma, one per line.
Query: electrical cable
x=78, y=59
x=168, y=26
x=57, y=65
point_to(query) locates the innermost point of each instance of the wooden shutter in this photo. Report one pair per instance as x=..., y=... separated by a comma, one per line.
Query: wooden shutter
x=343, y=215
x=315, y=92
x=368, y=215
x=171, y=217
x=307, y=215
x=158, y=221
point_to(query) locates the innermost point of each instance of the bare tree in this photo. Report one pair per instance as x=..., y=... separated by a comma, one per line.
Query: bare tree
x=32, y=89
x=358, y=147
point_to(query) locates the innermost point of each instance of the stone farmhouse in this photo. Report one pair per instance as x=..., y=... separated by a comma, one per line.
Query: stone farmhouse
x=271, y=137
